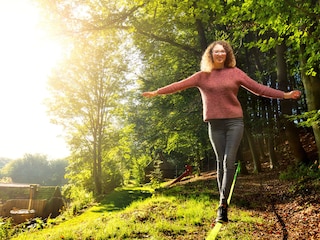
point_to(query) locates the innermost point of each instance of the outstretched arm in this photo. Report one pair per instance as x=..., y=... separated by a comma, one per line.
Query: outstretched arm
x=295, y=94
x=150, y=94
x=189, y=82
x=263, y=90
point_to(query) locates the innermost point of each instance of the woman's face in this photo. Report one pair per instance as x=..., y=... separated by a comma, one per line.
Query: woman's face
x=219, y=56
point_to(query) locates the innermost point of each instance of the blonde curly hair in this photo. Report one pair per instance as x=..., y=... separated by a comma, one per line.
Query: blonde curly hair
x=206, y=64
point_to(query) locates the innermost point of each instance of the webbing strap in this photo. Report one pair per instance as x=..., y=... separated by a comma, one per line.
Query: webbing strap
x=213, y=233
x=233, y=183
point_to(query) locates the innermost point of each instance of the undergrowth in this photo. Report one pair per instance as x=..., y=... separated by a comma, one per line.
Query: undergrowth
x=5, y=228
x=304, y=177
x=180, y=212
x=301, y=172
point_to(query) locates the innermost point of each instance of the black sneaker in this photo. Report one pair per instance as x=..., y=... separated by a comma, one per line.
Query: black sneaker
x=222, y=214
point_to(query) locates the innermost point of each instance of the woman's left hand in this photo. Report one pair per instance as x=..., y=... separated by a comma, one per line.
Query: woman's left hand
x=295, y=94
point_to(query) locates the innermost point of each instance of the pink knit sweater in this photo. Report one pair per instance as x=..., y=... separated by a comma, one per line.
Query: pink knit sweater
x=219, y=90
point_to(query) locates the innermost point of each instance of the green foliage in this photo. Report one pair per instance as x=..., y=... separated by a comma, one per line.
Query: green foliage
x=78, y=197
x=307, y=119
x=6, y=230
x=156, y=174
x=306, y=178
x=302, y=173
x=138, y=167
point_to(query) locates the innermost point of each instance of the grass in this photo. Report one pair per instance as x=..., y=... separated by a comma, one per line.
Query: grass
x=180, y=212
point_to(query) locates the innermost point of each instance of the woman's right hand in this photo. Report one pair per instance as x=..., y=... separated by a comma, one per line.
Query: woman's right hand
x=150, y=94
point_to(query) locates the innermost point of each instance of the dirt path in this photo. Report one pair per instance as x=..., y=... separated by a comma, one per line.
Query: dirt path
x=295, y=212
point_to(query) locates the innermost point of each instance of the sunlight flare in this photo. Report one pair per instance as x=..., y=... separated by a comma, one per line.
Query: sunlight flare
x=27, y=57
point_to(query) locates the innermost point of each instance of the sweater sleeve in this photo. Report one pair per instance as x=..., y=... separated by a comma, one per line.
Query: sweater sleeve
x=259, y=89
x=189, y=82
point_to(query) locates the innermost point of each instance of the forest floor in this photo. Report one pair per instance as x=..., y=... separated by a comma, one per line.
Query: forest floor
x=295, y=210
x=293, y=205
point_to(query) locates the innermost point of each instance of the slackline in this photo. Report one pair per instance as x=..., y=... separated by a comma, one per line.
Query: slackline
x=213, y=233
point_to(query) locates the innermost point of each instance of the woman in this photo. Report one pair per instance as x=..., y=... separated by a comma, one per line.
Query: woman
x=219, y=81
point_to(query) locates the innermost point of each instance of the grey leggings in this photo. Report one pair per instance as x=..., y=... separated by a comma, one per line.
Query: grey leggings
x=225, y=136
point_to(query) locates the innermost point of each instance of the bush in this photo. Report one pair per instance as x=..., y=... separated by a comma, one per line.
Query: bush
x=302, y=172
x=78, y=199
x=5, y=228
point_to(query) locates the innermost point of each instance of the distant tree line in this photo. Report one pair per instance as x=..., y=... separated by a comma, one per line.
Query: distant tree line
x=4, y=161
x=35, y=169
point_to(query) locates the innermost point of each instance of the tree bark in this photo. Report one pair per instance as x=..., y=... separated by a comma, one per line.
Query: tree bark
x=242, y=162
x=274, y=163
x=312, y=89
x=202, y=35
x=254, y=152
x=291, y=130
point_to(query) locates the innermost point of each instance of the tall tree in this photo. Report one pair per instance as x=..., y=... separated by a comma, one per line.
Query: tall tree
x=287, y=106
x=86, y=89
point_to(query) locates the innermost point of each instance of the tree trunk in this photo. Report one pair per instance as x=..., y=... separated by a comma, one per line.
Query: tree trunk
x=312, y=89
x=202, y=36
x=291, y=130
x=254, y=152
x=243, y=167
x=274, y=163
x=260, y=147
x=95, y=169
x=97, y=164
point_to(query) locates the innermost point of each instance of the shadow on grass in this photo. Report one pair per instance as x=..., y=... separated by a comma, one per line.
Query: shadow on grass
x=120, y=199
x=204, y=188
